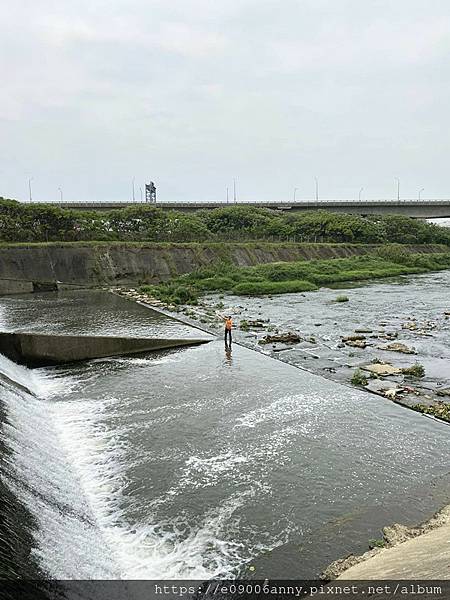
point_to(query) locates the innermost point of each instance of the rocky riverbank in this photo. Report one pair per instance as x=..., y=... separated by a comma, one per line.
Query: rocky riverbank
x=403, y=553
x=386, y=354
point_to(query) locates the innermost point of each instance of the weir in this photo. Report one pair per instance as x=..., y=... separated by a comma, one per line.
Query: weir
x=87, y=447
x=35, y=349
x=194, y=463
x=41, y=504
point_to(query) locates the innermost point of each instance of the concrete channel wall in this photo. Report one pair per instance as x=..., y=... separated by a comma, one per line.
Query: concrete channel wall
x=37, y=267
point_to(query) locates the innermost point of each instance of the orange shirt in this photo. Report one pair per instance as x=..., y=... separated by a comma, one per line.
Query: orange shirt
x=228, y=323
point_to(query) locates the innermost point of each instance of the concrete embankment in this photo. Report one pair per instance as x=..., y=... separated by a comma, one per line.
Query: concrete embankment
x=420, y=553
x=26, y=267
x=33, y=349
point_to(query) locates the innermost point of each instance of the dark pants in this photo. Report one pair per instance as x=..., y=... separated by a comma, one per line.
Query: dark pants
x=227, y=333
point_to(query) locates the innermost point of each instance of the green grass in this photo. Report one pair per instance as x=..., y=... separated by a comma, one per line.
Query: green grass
x=272, y=287
x=291, y=277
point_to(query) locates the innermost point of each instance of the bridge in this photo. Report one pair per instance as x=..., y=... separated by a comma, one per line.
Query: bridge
x=420, y=209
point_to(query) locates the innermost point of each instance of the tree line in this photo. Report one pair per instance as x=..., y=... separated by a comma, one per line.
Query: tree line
x=21, y=222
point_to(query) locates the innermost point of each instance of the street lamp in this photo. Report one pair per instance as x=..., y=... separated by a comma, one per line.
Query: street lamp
x=295, y=191
x=398, y=188
x=142, y=196
x=30, y=179
x=420, y=193
x=133, y=192
x=60, y=194
x=234, y=190
x=317, y=189
x=359, y=195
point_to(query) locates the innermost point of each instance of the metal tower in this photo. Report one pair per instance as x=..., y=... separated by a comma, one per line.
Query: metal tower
x=150, y=192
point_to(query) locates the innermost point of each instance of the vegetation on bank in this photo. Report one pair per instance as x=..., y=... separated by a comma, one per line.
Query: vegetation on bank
x=440, y=410
x=416, y=370
x=300, y=276
x=21, y=222
x=359, y=378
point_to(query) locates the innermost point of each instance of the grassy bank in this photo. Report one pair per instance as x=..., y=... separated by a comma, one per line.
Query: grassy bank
x=299, y=276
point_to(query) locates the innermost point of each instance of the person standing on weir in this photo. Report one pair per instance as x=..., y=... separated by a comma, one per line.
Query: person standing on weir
x=228, y=327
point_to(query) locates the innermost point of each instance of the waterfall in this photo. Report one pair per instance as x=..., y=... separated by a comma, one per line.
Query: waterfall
x=49, y=525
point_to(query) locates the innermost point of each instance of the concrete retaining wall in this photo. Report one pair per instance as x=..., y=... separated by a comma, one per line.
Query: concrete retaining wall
x=14, y=286
x=104, y=264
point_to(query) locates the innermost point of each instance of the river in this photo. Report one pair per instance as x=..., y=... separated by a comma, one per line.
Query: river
x=380, y=307
x=197, y=463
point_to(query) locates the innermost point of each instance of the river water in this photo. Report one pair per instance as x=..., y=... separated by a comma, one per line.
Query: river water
x=380, y=307
x=197, y=463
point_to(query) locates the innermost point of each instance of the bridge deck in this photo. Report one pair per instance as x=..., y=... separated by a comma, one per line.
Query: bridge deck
x=414, y=208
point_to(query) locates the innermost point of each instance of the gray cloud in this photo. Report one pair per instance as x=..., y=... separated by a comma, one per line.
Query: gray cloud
x=192, y=93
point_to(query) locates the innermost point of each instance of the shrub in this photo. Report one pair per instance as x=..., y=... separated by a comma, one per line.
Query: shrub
x=185, y=295
x=215, y=283
x=20, y=222
x=416, y=370
x=359, y=378
x=172, y=293
x=341, y=299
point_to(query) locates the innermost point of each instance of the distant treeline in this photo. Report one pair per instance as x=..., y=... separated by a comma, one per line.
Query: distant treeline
x=40, y=223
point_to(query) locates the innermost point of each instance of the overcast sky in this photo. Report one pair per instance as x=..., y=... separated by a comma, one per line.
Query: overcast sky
x=192, y=93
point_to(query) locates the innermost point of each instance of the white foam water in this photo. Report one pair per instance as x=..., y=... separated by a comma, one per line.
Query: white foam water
x=142, y=550
x=71, y=455
x=68, y=543
x=71, y=465
x=140, y=362
x=290, y=407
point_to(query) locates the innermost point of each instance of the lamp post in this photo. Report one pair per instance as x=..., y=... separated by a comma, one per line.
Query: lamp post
x=60, y=194
x=234, y=191
x=420, y=193
x=30, y=193
x=317, y=189
x=295, y=192
x=398, y=188
x=228, y=196
x=359, y=195
x=133, y=190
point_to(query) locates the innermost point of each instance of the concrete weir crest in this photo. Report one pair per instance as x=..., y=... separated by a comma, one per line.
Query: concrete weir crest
x=37, y=350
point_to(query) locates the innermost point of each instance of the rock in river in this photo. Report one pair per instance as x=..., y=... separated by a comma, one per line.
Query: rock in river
x=382, y=369
x=286, y=338
x=443, y=392
x=398, y=347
